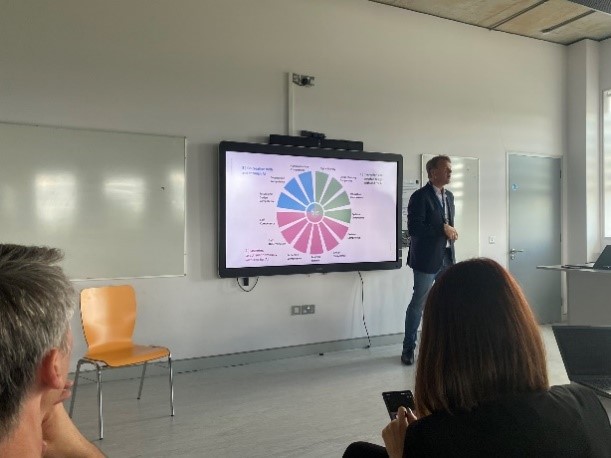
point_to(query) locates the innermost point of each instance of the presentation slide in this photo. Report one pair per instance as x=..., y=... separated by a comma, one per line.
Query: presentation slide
x=297, y=210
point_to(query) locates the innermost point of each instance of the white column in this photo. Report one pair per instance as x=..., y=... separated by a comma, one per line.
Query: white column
x=583, y=155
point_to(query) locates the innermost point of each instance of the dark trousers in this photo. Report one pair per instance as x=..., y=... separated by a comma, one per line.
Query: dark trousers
x=365, y=450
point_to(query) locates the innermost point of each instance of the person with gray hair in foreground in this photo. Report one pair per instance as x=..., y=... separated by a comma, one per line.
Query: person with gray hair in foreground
x=36, y=304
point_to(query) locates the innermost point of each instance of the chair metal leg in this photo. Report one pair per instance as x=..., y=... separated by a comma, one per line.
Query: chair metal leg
x=142, y=379
x=100, y=415
x=171, y=385
x=75, y=386
x=100, y=396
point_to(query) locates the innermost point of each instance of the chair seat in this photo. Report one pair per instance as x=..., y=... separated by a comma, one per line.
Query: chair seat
x=124, y=356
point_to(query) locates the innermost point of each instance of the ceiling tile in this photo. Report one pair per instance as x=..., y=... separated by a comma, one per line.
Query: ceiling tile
x=536, y=16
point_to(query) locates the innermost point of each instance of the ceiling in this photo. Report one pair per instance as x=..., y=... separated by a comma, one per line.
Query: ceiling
x=557, y=21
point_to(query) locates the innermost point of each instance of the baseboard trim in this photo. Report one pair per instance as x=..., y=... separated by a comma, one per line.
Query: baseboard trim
x=242, y=358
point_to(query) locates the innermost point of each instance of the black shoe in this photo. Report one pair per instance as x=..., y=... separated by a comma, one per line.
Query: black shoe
x=407, y=358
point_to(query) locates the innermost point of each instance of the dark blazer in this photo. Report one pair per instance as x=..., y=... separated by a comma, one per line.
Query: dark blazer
x=425, y=227
x=566, y=421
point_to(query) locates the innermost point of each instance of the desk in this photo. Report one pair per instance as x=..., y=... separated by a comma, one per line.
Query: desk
x=588, y=295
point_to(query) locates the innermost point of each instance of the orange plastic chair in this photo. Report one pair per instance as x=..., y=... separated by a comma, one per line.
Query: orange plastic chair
x=108, y=316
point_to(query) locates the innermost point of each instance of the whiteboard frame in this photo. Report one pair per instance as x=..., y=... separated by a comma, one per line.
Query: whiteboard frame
x=69, y=141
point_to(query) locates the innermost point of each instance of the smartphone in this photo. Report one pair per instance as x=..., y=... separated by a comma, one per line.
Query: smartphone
x=396, y=399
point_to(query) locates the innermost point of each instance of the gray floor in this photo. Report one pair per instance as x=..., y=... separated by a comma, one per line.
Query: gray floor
x=310, y=406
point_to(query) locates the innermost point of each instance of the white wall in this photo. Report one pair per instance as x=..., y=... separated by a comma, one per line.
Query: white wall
x=215, y=69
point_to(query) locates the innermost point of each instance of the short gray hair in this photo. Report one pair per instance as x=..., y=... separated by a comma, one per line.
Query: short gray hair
x=434, y=162
x=36, y=303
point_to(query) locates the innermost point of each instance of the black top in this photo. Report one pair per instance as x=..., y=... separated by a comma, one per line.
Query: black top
x=567, y=420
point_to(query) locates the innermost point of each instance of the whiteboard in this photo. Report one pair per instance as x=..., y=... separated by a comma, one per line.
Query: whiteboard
x=113, y=201
x=465, y=187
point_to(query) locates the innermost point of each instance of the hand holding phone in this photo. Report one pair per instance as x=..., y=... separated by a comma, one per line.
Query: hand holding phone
x=396, y=399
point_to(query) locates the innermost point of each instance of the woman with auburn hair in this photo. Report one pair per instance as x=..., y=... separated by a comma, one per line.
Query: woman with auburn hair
x=481, y=380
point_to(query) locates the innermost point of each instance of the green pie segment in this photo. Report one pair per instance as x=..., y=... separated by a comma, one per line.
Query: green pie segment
x=313, y=212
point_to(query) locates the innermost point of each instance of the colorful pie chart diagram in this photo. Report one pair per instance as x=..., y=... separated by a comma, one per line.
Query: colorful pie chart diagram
x=313, y=212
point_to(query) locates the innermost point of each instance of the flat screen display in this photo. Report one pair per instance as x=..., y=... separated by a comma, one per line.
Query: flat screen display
x=287, y=210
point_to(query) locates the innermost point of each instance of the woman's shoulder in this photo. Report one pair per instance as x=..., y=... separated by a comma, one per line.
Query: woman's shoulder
x=556, y=398
x=573, y=390
x=545, y=420
x=579, y=398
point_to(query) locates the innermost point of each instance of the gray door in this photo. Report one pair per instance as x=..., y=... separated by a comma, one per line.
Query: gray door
x=534, y=231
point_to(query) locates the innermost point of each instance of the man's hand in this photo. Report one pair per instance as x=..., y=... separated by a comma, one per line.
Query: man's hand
x=450, y=232
x=62, y=438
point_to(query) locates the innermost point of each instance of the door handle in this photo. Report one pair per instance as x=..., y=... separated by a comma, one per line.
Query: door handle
x=512, y=253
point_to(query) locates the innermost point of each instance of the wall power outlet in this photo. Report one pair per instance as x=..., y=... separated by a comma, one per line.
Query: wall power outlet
x=308, y=309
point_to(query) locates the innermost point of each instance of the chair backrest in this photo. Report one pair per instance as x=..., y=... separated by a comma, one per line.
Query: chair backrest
x=108, y=316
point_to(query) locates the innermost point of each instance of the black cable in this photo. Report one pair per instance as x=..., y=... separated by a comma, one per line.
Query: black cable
x=363, y=306
x=249, y=289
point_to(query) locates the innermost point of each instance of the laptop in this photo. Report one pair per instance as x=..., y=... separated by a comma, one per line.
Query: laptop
x=604, y=260
x=602, y=263
x=586, y=353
